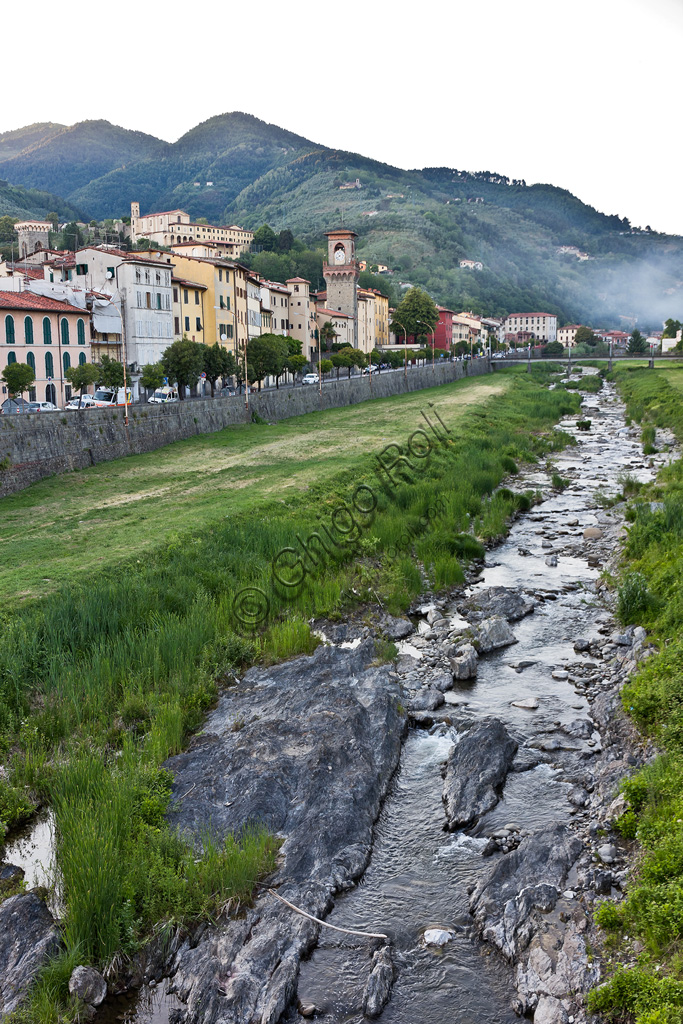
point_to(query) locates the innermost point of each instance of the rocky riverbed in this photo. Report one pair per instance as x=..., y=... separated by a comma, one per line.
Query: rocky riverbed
x=459, y=802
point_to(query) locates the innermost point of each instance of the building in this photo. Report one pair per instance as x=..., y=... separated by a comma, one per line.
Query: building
x=669, y=344
x=189, y=319
x=567, y=335
x=174, y=227
x=302, y=316
x=275, y=301
x=471, y=265
x=539, y=326
x=34, y=235
x=340, y=321
x=341, y=275
x=619, y=339
x=254, y=316
x=49, y=336
x=443, y=332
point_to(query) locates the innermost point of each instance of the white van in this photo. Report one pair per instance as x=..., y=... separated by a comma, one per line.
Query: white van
x=106, y=397
x=163, y=395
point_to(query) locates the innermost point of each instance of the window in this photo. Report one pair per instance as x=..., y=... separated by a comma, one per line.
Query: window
x=148, y=297
x=186, y=295
x=81, y=359
x=158, y=277
x=31, y=361
x=80, y=331
x=176, y=324
x=138, y=276
x=220, y=274
x=199, y=323
x=28, y=330
x=158, y=300
x=175, y=294
x=9, y=329
x=81, y=269
x=11, y=358
x=47, y=331
x=111, y=272
x=187, y=323
x=146, y=276
x=49, y=367
x=66, y=361
x=220, y=300
x=139, y=300
x=196, y=297
x=65, y=331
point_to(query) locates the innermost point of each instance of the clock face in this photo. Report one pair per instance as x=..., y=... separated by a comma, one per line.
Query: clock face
x=340, y=256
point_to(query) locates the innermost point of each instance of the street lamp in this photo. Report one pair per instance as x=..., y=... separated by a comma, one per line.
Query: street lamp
x=431, y=330
x=224, y=337
x=405, y=346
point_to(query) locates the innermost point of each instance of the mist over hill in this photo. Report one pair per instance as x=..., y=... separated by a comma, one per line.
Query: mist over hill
x=422, y=223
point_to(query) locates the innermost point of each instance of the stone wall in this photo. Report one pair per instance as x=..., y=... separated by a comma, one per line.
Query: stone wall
x=40, y=445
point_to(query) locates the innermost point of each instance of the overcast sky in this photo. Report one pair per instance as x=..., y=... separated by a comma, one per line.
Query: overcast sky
x=585, y=95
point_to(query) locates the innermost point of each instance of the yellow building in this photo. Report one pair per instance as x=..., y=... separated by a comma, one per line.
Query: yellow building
x=188, y=309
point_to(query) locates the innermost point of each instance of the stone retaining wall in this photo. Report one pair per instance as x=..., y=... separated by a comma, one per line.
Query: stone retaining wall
x=37, y=446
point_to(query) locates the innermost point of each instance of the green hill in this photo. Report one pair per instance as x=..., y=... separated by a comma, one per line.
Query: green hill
x=236, y=168
x=25, y=203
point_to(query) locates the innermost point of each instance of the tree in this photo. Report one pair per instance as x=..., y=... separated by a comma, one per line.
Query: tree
x=554, y=348
x=266, y=238
x=671, y=327
x=71, y=236
x=218, y=362
x=18, y=377
x=8, y=234
x=266, y=357
x=327, y=335
x=636, y=343
x=358, y=358
x=285, y=240
x=416, y=314
x=326, y=365
x=183, y=361
x=342, y=358
x=53, y=218
x=152, y=376
x=82, y=376
x=110, y=373
x=296, y=362
x=585, y=336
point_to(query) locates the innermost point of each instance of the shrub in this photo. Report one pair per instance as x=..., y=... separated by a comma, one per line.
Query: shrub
x=634, y=597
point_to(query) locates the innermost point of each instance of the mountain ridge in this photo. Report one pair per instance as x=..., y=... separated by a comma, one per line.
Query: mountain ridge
x=234, y=167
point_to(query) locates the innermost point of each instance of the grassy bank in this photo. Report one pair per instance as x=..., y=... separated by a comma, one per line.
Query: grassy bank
x=645, y=932
x=103, y=680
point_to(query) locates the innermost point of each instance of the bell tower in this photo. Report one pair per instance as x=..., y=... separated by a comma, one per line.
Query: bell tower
x=341, y=274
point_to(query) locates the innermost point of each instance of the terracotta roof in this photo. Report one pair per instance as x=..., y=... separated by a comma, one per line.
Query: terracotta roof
x=511, y=316
x=297, y=280
x=161, y=213
x=27, y=300
x=335, y=312
x=188, y=284
x=570, y=327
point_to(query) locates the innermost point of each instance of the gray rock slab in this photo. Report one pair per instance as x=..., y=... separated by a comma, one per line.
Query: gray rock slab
x=493, y=633
x=28, y=938
x=476, y=769
x=88, y=984
x=378, y=987
x=511, y=604
x=307, y=748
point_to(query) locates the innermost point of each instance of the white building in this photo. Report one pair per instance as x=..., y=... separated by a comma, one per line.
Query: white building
x=253, y=307
x=542, y=326
x=302, y=316
x=275, y=298
x=175, y=227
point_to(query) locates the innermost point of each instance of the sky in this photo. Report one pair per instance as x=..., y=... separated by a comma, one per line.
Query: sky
x=584, y=95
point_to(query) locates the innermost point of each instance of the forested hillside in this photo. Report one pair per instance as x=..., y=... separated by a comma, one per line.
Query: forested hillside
x=236, y=168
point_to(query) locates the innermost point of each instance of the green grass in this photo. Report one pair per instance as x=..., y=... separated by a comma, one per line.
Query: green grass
x=650, y=593
x=103, y=680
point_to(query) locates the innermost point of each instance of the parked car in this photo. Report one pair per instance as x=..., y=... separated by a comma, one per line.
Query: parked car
x=86, y=402
x=163, y=395
x=106, y=397
x=14, y=405
x=372, y=368
x=42, y=407
x=228, y=392
x=310, y=378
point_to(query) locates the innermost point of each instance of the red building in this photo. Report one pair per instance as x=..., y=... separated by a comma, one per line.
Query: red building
x=443, y=332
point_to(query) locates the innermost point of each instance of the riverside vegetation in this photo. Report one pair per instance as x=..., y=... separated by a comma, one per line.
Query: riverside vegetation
x=104, y=679
x=645, y=932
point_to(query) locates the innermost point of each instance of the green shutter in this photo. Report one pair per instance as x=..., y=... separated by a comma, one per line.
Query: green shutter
x=9, y=329
x=65, y=331
x=28, y=329
x=81, y=359
x=47, y=331
x=66, y=361
x=49, y=366
x=80, y=327
x=11, y=358
x=31, y=361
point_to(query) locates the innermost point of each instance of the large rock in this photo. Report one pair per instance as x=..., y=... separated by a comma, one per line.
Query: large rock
x=28, y=939
x=427, y=699
x=378, y=987
x=475, y=772
x=550, y=1011
x=318, y=740
x=493, y=633
x=511, y=604
x=525, y=881
x=464, y=662
x=88, y=985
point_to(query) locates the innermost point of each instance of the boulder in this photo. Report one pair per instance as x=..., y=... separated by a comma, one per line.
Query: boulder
x=442, y=681
x=528, y=703
x=28, y=939
x=464, y=662
x=550, y=1011
x=428, y=699
x=504, y=902
x=476, y=769
x=592, y=533
x=493, y=633
x=395, y=629
x=437, y=936
x=378, y=987
x=88, y=985
x=501, y=601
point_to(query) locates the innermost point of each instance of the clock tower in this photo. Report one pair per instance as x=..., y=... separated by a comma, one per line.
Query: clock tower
x=341, y=274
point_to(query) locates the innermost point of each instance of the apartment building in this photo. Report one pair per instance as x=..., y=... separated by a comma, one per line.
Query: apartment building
x=541, y=326
x=302, y=315
x=275, y=298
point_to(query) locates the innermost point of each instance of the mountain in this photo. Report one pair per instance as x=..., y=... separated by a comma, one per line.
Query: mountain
x=65, y=160
x=28, y=203
x=422, y=223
